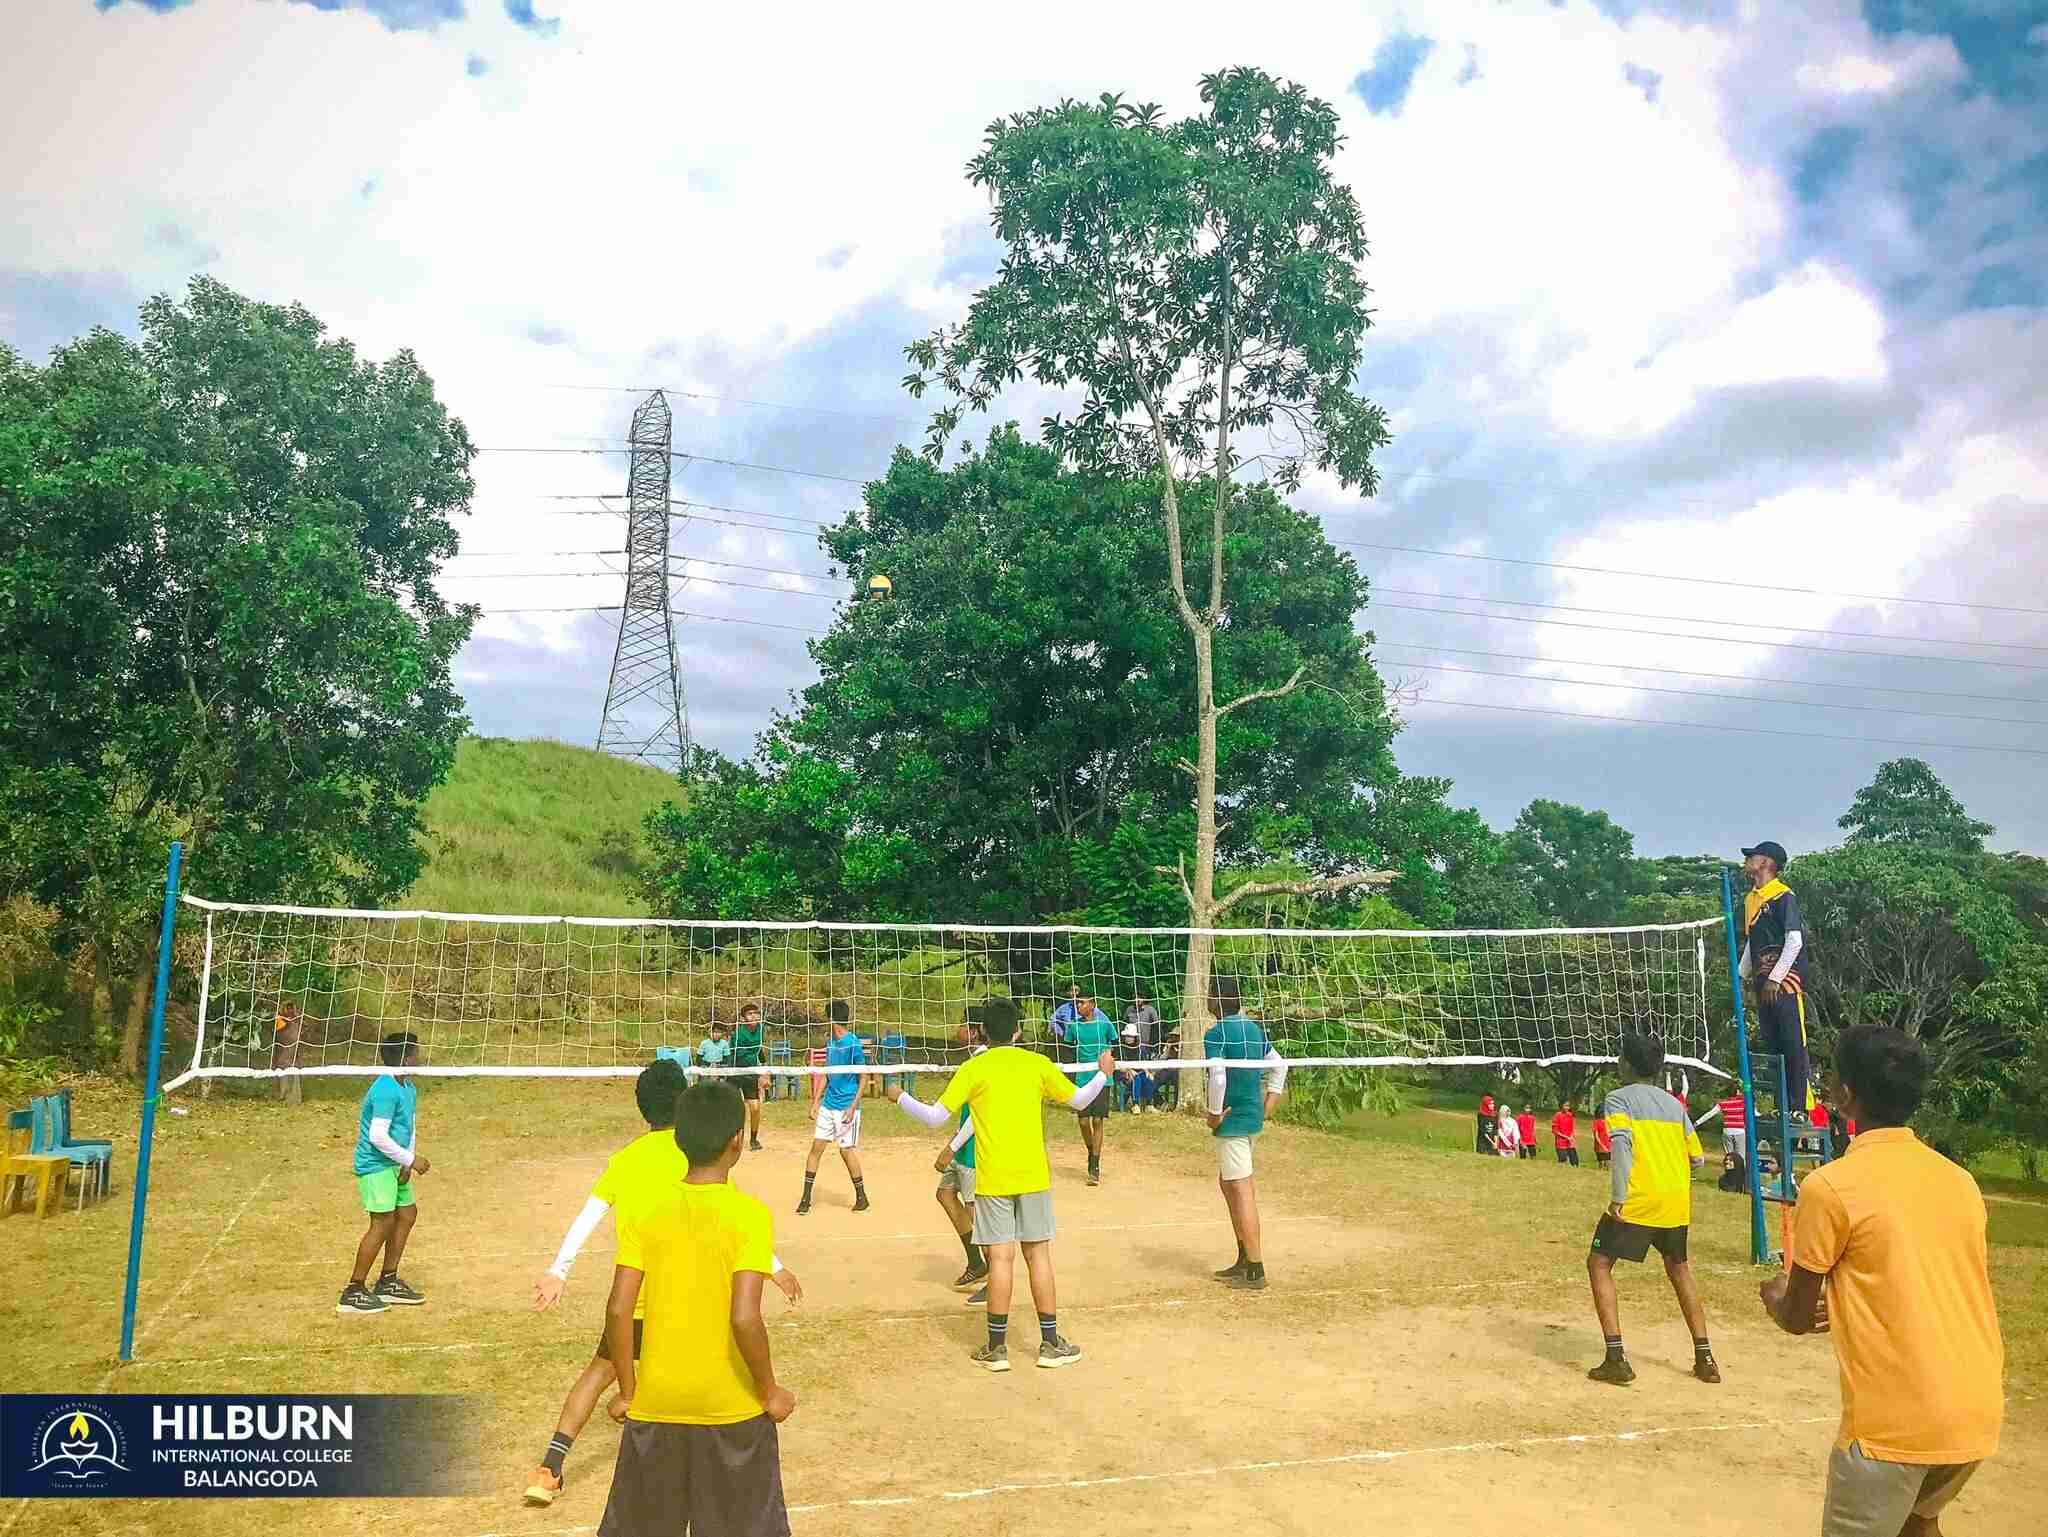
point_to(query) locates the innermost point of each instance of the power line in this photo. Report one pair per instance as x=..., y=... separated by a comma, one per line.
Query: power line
x=1698, y=725
x=732, y=464
x=1789, y=629
x=1702, y=693
x=1706, y=581
x=733, y=400
x=1726, y=677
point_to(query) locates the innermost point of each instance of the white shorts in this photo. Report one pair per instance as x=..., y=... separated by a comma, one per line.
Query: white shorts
x=1234, y=1158
x=840, y=1126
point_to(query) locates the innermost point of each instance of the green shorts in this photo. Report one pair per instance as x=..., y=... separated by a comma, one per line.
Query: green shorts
x=381, y=1191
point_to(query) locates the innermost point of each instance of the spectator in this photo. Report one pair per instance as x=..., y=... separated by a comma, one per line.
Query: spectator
x=1603, y=1142
x=1564, y=1129
x=1485, y=1142
x=1734, y=1130
x=1507, y=1133
x=1065, y=1015
x=715, y=1050
x=1525, y=1128
x=1888, y=1254
x=1143, y=1018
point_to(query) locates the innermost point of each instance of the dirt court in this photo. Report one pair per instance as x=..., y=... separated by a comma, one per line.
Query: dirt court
x=1418, y=1363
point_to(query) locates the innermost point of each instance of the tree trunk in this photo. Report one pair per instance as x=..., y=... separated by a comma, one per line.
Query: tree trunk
x=137, y=1021
x=1194, y=1002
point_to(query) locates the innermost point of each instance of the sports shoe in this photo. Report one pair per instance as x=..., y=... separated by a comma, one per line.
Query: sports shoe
x=995, y=1357
x=357, y=1298
x=1060, y=1352
x=863, y=1203
x=394, y=1291
x=1617, y=1371
x=543, y=1487
x=1706, y=1368
x=1094, y=1176
x=969, y=1278
x=803, y=1207
x=754, y=1146
x=1245, y=1281
x=978, y=1299
x=1232, y=1270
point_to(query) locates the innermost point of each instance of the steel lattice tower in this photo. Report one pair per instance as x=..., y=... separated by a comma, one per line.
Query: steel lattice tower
x=644, y=714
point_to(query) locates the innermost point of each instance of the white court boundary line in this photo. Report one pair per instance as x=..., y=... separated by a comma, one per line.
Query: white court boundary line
x=1266, y=1465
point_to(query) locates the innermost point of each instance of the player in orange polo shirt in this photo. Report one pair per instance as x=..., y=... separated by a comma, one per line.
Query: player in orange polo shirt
x=1893, y=1234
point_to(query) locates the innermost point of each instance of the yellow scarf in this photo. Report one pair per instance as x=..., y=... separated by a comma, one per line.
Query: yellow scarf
x=1760, y=898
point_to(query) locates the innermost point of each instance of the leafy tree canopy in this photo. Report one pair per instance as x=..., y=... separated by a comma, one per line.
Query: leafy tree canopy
x=1908, y=803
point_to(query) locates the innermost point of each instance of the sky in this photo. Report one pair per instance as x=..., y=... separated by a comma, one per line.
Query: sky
x=1746, y=302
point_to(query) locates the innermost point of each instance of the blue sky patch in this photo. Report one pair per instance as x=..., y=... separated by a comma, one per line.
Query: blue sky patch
x=522, y=14
x=1992, y=36
x=1825, y=161
x=1645, y=80
x=478, y=66
x=2005, y=285
x=159, y=6
x=1384, y=87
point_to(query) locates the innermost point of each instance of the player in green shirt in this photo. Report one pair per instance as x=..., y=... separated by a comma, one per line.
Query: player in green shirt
x=746, y=1052
x=1090, y=1033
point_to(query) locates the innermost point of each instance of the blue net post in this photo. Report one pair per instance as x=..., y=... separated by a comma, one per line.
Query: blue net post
x=149, y=1098
x=1759, y=1231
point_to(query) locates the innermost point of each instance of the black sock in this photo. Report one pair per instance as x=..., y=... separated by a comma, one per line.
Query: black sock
x=810, y=1179
x=1701, y=1347
x=385, y=1275
x=1242, y=1260
x=860, y=1190
x=1613, y=1342
x=1255, y=1269
x=998, y=1329
x=558, y=1448
x=967, y=1244
x=1048, y=1327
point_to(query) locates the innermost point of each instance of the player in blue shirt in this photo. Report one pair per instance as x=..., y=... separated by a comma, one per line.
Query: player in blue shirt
x=1240, y=1099
x=387, y=1167
x=838, y=1108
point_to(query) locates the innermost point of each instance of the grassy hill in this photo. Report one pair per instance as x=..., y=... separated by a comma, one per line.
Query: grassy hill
x=537, y=827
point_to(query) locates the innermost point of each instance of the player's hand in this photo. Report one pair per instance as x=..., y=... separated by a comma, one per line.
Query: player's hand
x=1772, y=1292
x=618, y=1408
x=421, y=1166
x=792, y=1288
x=1215, y=1119
x=1770, y=990
x=404, y=1176
x=547, y=1291
x=1106, y=1064
x=779, y=1404
x=1614, y=1210
x=944, y=1160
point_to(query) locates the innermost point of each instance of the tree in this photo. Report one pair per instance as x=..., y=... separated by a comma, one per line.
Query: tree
x=1580, y=864
x=1196, y=279
x=2014, y=999
x=1903, y=937
x=1908, y=803
x=1000, y=741
x=217, y=557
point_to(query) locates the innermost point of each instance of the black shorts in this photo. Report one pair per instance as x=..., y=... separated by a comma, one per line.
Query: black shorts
x=748, y=1084
x=1631, y=1241
x=1099, y=1105
x=725, y=1479
x=604, y=1350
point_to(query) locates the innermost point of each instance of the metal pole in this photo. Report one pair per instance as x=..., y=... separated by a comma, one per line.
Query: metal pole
x=1759, y=1233
x=156, y=1059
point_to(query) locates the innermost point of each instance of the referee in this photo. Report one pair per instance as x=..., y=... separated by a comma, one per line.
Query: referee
x=1774, y=952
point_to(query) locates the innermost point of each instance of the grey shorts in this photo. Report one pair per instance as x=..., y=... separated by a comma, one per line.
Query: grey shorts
x=1014, y=1218
x=697, y=1478
x=1869, y=1498
x=959, y=1178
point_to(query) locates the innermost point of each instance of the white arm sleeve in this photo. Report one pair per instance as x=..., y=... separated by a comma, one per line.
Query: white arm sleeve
x=380, y=1139
x=933, y=1116
x=964, y=1135
x=1219, y=1080
x=1276, y=1073
x=1085, y=1095
x=775, y=1261
x=1744, y=967
x=579, y=1234
x=1794, y=943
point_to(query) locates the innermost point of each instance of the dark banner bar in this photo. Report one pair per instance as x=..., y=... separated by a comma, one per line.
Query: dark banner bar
x=235, y=1446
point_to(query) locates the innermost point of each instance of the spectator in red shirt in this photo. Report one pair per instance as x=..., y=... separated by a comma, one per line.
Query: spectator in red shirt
x=1526, y=1124
x=1485, y=1143
x=1733, y=1132
x=1564, y=1132
x=1603, y=1144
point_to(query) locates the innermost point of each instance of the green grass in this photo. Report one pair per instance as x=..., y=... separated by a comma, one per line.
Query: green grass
x=537, y=827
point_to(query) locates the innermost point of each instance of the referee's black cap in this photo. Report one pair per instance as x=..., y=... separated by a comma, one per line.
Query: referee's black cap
x=1774, y=852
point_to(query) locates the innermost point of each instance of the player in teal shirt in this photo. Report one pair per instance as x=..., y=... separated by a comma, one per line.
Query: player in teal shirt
x=838, y=1108
x=386, y=1168
x=1240, y=1098
x=1089, y=1034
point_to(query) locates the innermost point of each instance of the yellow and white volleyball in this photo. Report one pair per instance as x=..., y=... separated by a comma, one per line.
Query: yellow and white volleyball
x=880, y=586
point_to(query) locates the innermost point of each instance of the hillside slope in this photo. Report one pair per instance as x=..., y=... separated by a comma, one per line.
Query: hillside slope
x=537, y=827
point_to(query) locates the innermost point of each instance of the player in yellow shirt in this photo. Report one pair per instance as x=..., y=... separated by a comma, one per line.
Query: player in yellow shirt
x=1001, y=1091
x=1655, y=1152
x=641, y=1172
x=700, y=1406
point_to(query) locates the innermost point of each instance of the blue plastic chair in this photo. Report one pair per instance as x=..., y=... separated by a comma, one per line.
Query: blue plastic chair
x=45, y=1137
x=895, y=1052
x=780, y=1055
x=680, y=1055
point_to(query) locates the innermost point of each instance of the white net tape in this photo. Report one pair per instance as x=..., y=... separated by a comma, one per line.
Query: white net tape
x=294, y=990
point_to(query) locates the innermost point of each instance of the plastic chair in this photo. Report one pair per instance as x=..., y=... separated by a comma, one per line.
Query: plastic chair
x=895, y=1052
x=817, y=1059
x=779, y=1054
x=680, y=1055
x=91, y=1162
x=68, y=1138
